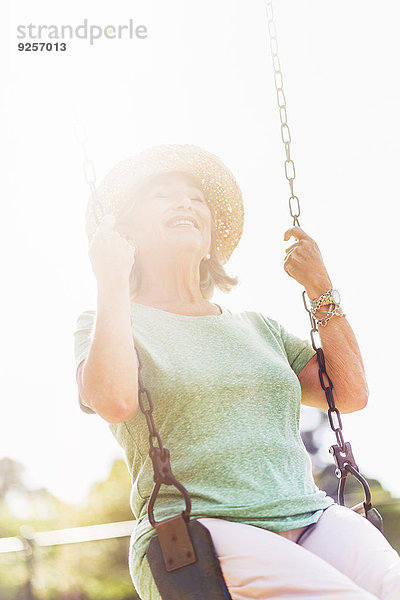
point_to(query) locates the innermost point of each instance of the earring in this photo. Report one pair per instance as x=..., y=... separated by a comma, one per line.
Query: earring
x=208, y=256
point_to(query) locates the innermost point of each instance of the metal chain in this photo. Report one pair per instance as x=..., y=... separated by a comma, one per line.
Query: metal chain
x=160, y=456
x=290, y=171
x=89, y=171
x=342, y=452
x=290, y=174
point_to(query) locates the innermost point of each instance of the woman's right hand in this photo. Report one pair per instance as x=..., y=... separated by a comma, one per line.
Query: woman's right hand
x=111, y=255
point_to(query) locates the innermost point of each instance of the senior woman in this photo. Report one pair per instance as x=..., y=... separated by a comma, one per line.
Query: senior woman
x=226, y=386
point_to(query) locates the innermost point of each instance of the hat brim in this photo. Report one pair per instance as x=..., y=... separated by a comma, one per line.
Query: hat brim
x=117, y=190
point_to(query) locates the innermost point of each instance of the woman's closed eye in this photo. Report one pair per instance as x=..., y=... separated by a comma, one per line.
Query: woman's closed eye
x=168, y=195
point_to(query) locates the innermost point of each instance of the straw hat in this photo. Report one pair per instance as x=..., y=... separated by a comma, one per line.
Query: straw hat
x=116, y=190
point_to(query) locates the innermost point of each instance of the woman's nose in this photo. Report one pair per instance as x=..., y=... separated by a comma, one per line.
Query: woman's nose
x=184, y=200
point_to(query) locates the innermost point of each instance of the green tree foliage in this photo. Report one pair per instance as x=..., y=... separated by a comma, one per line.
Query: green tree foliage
x=108, y=500
x=96, y=570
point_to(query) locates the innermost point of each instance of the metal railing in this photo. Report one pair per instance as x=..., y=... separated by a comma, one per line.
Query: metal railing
x=30, y=539
x=89, y=533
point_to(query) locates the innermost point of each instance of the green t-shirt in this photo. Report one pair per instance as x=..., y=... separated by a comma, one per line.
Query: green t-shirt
x=227, y=405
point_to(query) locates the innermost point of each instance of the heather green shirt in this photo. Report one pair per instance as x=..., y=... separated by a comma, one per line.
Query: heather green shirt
x=227, y=405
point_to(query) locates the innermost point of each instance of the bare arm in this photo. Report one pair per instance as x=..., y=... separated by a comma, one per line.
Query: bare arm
x=343, y=360
x=107, y=380
x=343, y=363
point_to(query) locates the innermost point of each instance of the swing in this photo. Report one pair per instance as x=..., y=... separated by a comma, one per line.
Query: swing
x=181, y=553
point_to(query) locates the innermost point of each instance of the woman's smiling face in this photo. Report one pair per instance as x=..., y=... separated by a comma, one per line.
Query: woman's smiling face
x=171, y=213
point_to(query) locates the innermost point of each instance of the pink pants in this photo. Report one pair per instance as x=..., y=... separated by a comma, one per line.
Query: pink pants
x=341, y=557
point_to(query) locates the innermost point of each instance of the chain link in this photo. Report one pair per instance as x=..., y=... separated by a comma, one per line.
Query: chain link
x=290, y=174
x=290, y=171
x=89, y=172
x=342, y=451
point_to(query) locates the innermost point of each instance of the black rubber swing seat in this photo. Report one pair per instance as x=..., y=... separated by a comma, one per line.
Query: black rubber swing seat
x=188, y=544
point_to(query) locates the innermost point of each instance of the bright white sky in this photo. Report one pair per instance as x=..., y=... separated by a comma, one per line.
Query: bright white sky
x=202, y=76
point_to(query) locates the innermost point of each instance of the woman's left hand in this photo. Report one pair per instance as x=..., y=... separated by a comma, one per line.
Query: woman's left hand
x=304, y=263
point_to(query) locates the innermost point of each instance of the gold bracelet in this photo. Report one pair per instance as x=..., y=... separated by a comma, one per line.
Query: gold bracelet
x=331, y=313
